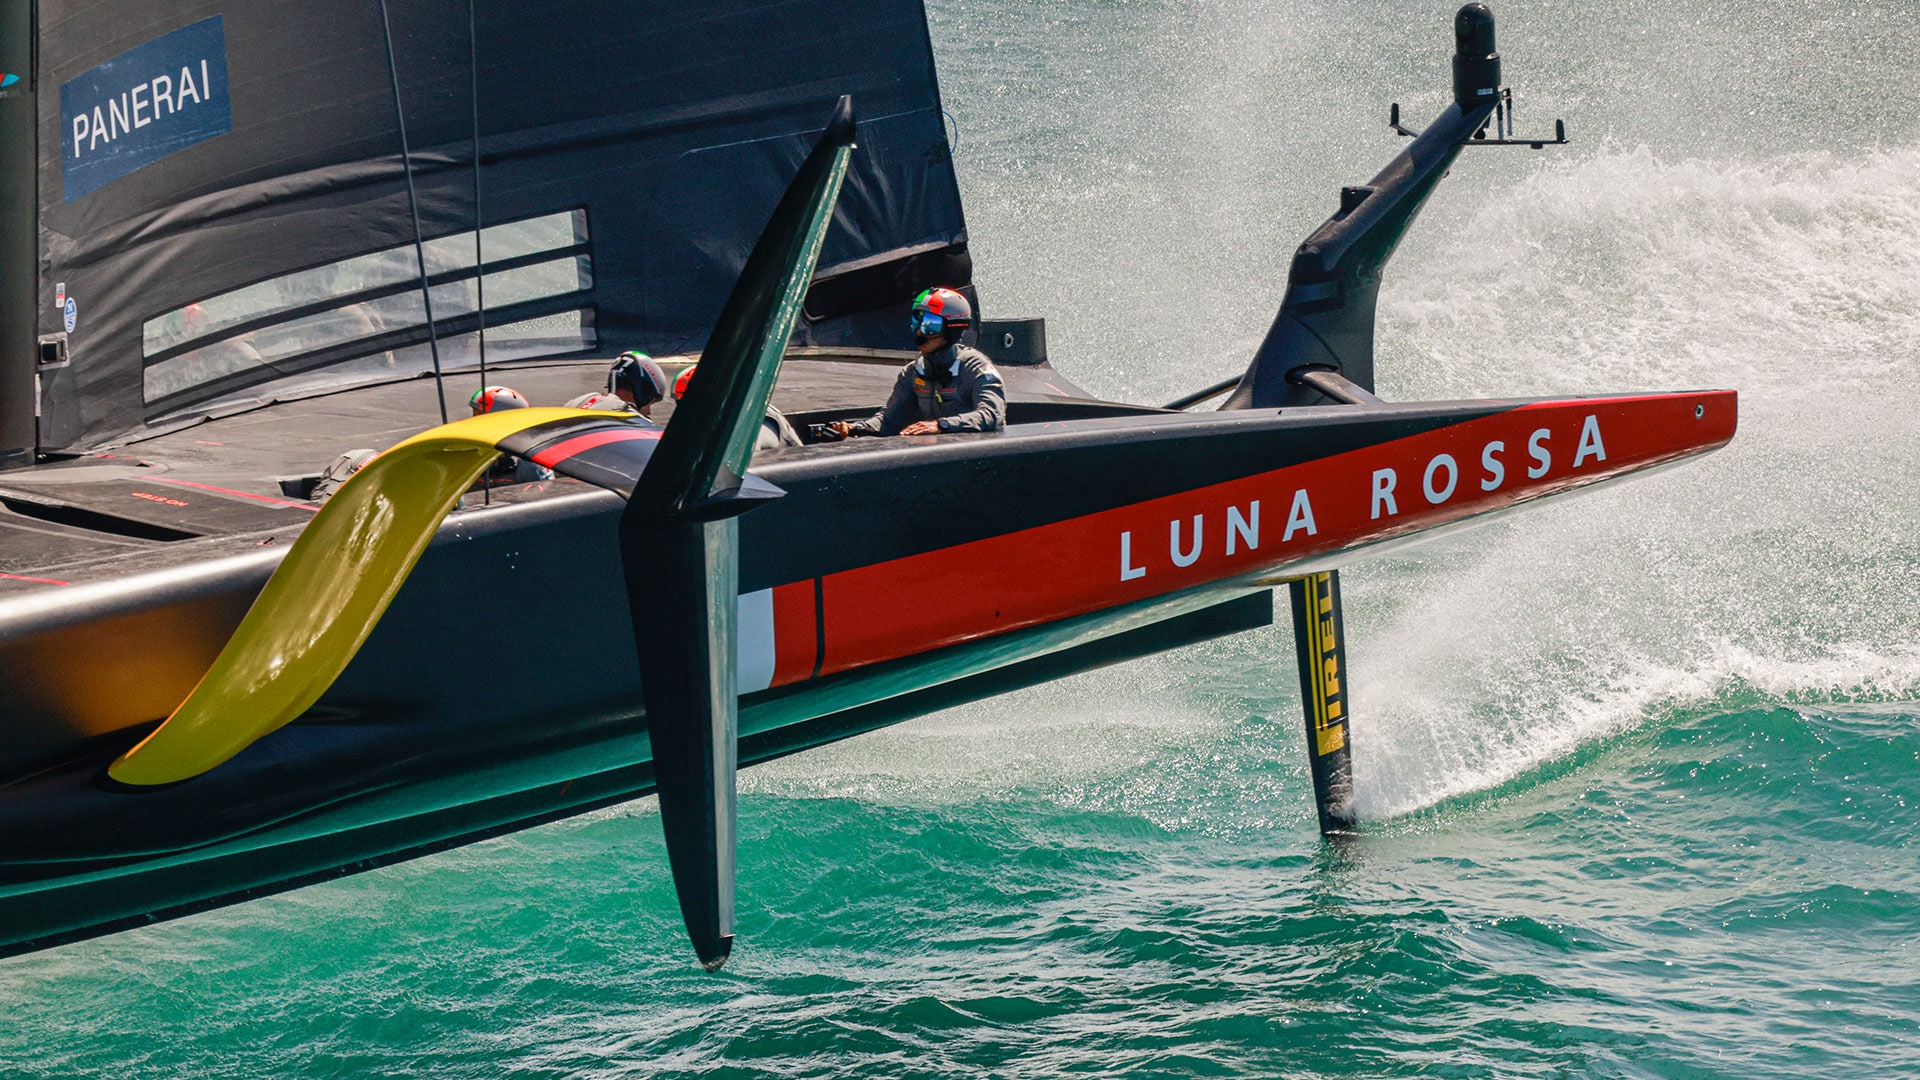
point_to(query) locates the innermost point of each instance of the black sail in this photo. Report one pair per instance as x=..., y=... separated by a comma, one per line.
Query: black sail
x=224, y=215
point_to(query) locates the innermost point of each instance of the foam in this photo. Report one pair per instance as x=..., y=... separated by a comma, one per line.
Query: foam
x=1784, y=564
x=1788, y=275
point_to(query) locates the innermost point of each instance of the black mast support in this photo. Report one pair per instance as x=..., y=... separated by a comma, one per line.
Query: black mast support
x=1326, y=318
x=19, y=233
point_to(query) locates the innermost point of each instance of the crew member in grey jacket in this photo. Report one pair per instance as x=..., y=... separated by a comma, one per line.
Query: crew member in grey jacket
x=949, y=388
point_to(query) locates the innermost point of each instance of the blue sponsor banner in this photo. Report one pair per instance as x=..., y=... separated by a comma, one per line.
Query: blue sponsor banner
x=149, y=102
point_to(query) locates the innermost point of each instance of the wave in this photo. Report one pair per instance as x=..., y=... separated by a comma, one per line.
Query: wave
x=1790, y=275
x=1785, y=565
x=1416, y=748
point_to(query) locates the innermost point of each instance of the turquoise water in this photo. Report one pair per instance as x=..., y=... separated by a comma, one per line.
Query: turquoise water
x=1639, y=772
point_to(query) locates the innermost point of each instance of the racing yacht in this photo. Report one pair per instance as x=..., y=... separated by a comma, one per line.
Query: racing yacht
x=220, y=269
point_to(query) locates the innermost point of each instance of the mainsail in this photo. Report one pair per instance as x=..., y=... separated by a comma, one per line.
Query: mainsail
x=224, y=216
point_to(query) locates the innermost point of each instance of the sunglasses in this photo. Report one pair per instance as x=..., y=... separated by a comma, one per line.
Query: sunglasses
x=927, y=324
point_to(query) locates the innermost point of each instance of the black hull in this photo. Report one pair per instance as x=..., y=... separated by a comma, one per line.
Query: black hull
x=500, y=691
x=372, y=829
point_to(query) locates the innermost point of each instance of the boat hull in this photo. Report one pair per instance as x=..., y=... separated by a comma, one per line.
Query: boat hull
x=891, y=580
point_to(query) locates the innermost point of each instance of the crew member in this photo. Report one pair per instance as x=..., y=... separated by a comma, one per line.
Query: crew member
x=507, y=469
x=634, y=383
x=949, y=388
x=775, y=431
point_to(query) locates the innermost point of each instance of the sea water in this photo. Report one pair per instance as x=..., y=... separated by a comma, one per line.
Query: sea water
x=1638, y=771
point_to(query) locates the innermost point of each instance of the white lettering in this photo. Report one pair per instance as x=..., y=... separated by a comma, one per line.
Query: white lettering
x=1590, y=444
x=1128, y=571
x=1436, y=497
x=1186, y=558
x=1300, y=517
x=1496, y=472
x=140, y=106
x=1383, y=484
x=1539, y=452
x=1246, y=529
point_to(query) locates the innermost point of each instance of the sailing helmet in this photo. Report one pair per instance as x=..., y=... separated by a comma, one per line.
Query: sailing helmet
x=637, y=374
x=940, y=313
x=680, y=383
x=495, y=398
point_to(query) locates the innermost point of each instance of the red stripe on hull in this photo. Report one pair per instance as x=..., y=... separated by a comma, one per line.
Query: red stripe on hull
x=1148, y=549
x=794, y=633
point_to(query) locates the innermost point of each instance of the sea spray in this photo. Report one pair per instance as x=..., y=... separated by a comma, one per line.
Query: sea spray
x=1788, y=559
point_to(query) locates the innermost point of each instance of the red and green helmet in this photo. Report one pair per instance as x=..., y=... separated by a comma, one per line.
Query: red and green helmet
x=495, y=398
x=681, y=380
x=940, y=313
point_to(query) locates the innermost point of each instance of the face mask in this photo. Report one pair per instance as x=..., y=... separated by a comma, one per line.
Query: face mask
x=927, y=325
